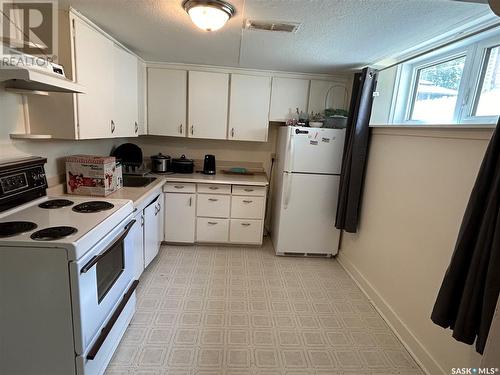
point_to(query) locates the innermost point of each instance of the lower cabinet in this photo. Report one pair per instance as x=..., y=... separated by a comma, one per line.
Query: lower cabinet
x=180, y=216
x=212, y=229
x=246, y=231
x=153, y=229
x=147, y=233
x=214, y=213
x=137, y=233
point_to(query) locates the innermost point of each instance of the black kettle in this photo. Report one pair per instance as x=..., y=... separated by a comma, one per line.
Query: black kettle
x=209, y=164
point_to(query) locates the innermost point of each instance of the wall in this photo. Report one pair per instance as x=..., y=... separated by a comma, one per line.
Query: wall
x=417, y=186
x=233, y=151
x=12, y=121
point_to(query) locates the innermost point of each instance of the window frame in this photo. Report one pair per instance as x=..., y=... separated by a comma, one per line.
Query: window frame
x=474, y=50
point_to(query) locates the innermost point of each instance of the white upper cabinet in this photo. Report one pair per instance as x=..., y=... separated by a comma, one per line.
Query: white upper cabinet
x=249, y=107
x=287, y=95
x=327, y=94
x=94, y=69
x=141, y=97
x=125, y=114
x=167, y=102
x=208, y=105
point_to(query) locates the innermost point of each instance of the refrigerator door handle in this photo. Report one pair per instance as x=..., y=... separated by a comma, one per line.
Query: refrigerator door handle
x=290, y=147
x=288, y=189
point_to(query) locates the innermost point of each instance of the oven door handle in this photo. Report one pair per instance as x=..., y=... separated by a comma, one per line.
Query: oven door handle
x=111, y=322
x=92, y=262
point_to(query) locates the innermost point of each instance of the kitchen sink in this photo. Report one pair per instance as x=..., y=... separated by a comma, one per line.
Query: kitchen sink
x=137, y=181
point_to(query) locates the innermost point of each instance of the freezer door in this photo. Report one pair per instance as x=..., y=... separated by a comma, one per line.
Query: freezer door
x=315, y=150
x=307, y=215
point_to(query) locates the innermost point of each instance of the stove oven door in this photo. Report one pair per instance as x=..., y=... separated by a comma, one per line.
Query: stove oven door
x=99, y=281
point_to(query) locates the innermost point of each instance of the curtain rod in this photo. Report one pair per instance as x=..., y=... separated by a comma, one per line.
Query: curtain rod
x=446, y=44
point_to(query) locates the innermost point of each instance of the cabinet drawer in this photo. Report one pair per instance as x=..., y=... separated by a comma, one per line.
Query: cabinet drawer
x=259, y=191
x=213, y=188
x=247, y=207
x=246, y=231
x=212, y=230
x=179, y=187
x=212, y=205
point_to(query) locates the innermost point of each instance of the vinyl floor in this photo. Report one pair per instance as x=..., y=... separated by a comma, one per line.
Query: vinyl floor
x=206, y=310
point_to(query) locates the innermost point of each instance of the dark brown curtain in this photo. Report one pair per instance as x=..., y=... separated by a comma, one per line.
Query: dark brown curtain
x=469, y=292
x=355, y=151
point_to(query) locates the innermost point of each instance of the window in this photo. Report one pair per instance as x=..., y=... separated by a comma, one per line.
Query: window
x=488, y=98
x=436, y=91
x=457, y=84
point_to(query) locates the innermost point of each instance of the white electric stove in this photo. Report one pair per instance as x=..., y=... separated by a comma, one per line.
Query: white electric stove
x=66, y=275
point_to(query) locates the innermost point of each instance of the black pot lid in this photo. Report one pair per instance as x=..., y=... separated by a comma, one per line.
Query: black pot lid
x=183, y=160
x=160, y=156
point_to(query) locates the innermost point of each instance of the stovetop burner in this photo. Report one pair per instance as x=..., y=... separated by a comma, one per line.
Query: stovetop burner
x=12, y=228
x=56, y=203
x=93, y=206
x=53, y=233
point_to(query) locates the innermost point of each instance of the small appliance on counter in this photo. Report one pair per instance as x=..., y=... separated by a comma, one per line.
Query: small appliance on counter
x=182, y=165
x=131, y=158
x=209, y=164
x=161, y=163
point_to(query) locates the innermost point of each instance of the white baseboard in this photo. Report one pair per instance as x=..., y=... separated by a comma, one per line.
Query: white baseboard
x=417, y=350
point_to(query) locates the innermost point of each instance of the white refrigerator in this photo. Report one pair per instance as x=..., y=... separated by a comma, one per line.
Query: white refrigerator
x=306, y=182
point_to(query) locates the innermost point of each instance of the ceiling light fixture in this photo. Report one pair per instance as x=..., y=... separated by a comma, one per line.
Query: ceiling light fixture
x=209, y=15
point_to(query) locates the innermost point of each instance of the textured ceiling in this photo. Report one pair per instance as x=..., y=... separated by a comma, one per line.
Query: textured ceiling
x=334, y=35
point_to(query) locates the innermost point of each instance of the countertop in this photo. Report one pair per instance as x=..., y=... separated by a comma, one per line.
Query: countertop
x=258, y=179
x=138, y=194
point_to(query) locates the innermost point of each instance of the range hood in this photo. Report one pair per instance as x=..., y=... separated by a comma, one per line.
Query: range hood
x=27, y=73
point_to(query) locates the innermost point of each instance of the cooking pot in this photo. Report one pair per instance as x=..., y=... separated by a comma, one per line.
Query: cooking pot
x=160, y=163
x=182, y=165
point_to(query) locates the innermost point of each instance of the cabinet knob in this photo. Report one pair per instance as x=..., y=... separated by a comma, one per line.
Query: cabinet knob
x=212, y=223
x=192, y=129
x=212, y=199
x=247, y=201
x=248, y=190
x=136, y=127
x=180, y=128
x=213, y=188
x=190, y=201
x=112, y=126
x=179, y=186
x=232, y=132
x=245, y=224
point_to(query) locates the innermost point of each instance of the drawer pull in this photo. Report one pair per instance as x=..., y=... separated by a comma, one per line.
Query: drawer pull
x=245, y=224
x=212, y=199
x=247, y=201
x=212, y=222
x=248, y=190
x=214, y=188
x=179, y=186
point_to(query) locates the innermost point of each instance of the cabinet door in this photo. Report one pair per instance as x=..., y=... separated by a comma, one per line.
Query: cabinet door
x=207, y=105
x=137, y=235
x=151, y=231
x=288, y=94
x=94, y=69
x=167, y=102
x=249, y=107
x=327, y=94
x=125, y=114
x=141, y=97
x=180, y=211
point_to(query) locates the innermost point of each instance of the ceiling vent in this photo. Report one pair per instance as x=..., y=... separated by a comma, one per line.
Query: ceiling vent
x=278, y=26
